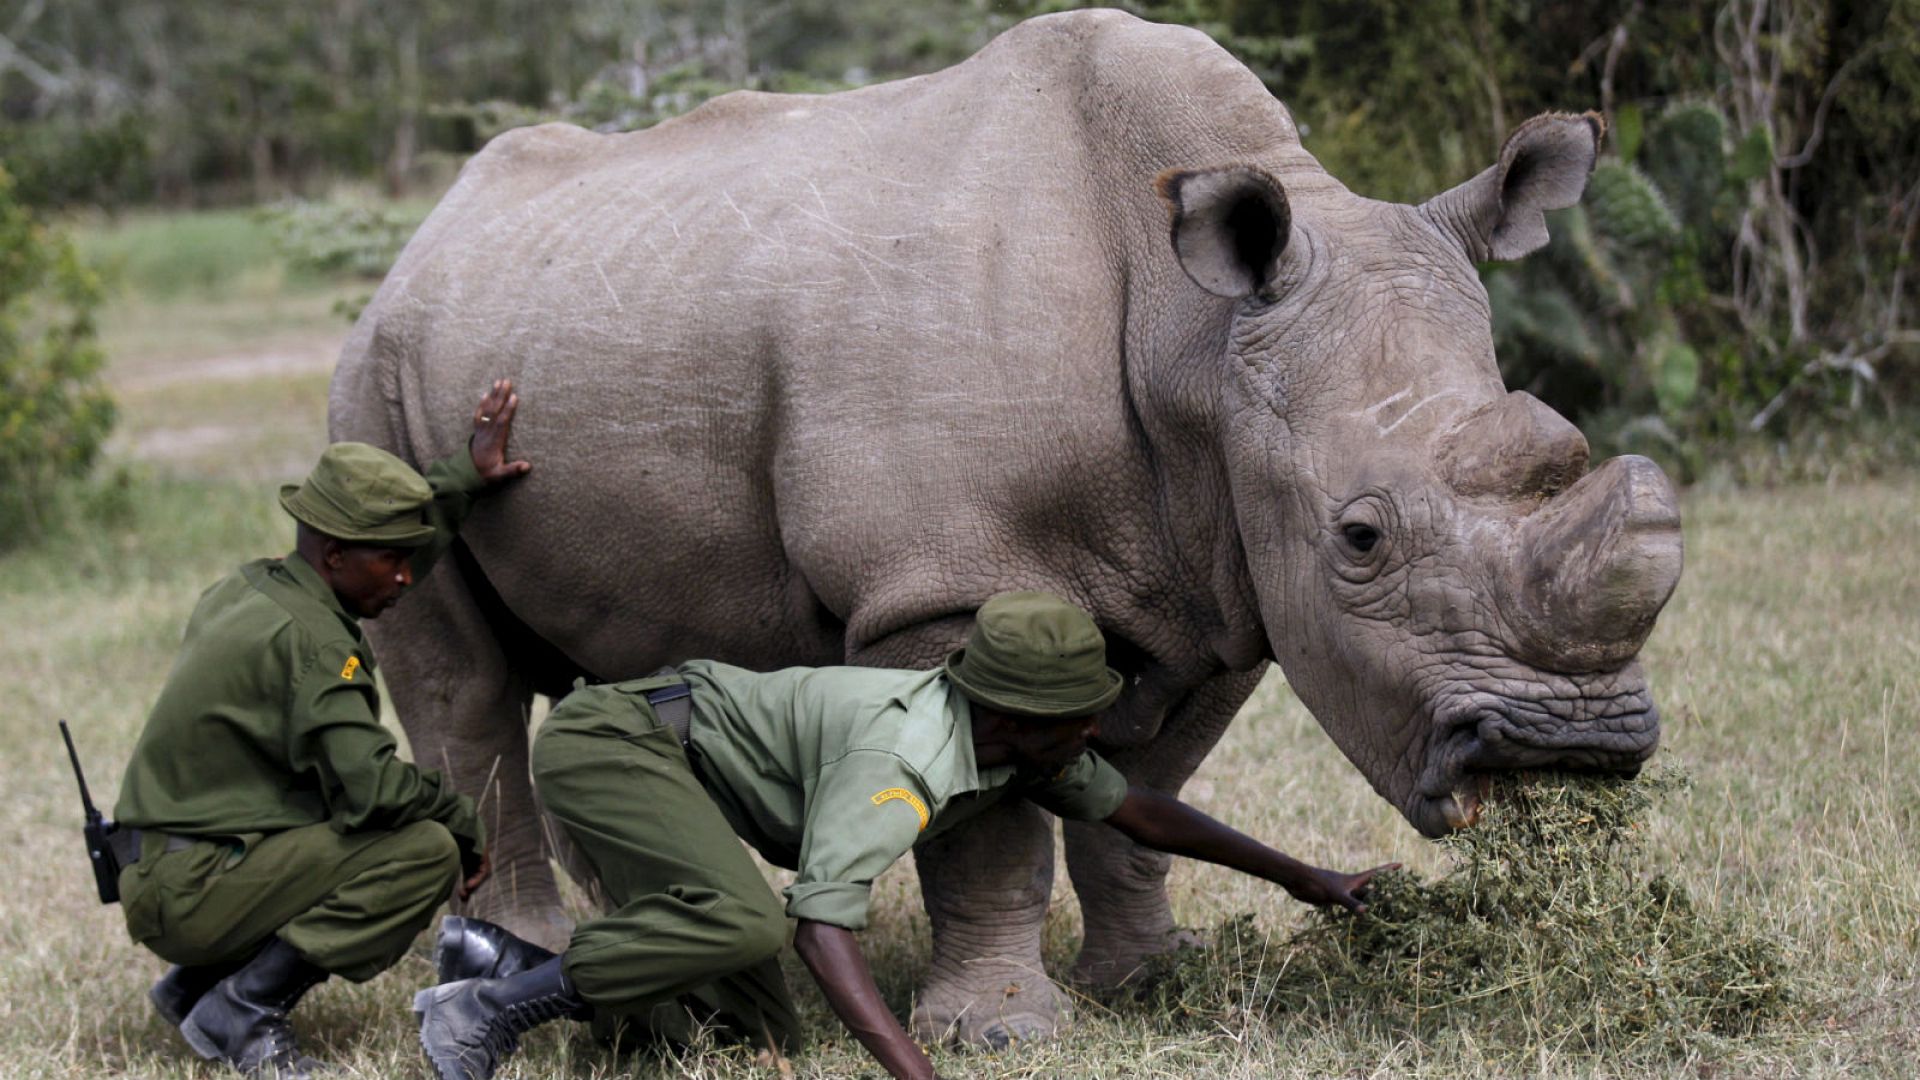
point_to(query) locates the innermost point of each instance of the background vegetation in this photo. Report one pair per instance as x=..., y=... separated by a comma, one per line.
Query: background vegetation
x=1742, y=265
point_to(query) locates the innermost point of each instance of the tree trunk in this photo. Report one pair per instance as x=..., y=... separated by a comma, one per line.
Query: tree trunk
x=406, y=60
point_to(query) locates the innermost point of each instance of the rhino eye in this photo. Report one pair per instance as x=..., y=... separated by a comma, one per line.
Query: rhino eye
x=1361, y=538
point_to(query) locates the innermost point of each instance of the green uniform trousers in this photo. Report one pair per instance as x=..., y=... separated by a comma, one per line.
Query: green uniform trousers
x=350, y=904
x=693, y=923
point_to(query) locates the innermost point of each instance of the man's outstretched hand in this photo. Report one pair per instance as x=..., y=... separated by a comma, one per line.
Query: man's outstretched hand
x=1327, y=887
x=1157, y=820
x=492, y=422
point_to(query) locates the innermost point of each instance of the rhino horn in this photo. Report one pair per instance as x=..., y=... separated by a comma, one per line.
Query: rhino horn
x=1513, y=447
x=1595, y=566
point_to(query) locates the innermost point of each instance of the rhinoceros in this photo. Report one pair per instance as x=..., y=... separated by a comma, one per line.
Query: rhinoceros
x=806, y=379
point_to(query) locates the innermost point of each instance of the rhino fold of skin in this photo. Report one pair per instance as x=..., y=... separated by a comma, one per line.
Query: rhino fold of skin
x=808, y=378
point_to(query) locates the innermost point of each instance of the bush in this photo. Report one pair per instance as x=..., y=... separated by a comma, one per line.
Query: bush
x=333, y=239
x=54, y=412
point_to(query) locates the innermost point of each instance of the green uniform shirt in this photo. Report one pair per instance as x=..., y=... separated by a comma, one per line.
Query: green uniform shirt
x=270, y=719
x=837, y=772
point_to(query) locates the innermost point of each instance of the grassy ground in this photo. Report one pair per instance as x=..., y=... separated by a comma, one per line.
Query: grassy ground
x=1788, y=666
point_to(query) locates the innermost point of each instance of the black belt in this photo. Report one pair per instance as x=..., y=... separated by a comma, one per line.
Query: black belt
x=674, y=706
x=127, y=843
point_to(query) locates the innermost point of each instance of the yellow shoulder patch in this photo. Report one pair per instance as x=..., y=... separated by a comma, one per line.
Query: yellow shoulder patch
x=903, y=795
x=353, y=665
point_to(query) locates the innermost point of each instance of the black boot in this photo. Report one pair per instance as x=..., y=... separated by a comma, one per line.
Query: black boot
x=174, y=994
x=243, y=1019
x=467, y=1028
x=477, y=949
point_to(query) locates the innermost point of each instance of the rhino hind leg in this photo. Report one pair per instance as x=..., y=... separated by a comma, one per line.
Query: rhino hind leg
x=465, y=709
x=1122, y=886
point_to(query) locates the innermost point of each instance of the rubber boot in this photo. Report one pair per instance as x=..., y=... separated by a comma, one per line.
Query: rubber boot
x=175, y=993
x=477, y=949
x=242, y=1021
x=468, y=1028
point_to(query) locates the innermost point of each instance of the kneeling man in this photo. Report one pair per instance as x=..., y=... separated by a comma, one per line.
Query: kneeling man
x=281, y=838
x=833, y=772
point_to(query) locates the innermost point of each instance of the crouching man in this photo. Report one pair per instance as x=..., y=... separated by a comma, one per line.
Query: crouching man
x=281, y=838
x=833, y=772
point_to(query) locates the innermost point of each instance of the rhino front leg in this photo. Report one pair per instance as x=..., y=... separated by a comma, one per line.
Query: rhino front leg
x=1122, y=886
x=464, y=709
x=985, y=886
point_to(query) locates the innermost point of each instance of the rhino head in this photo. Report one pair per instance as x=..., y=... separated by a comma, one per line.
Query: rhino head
x=1445, y=584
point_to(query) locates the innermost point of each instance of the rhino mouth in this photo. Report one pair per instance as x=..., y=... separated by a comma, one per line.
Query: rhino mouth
x=1477, y=739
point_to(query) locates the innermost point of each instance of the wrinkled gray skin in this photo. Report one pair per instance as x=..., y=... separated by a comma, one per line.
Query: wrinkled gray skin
x=807, y=379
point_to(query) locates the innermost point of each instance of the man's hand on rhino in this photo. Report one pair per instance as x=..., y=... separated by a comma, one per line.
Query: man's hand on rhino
x=492, y=423
x=1328, y=887
x=472, y=881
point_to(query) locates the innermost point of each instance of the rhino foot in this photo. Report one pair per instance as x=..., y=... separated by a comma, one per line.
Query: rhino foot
x=1113, y=961
x=990, y=1002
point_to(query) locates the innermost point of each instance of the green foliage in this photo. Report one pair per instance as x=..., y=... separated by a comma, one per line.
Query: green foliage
x=1628, y=210
x=1552, y=926
x=1753, y=159
x=1685, y=158
x=1675, y=369
x=605, y=106
x=1629, y=127
x=479, y=121
x=1753, y=238
x=54, y=413
x=334, y=239
x=66, y=161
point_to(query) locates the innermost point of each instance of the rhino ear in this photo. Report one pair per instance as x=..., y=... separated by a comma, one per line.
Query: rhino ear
x=1501, y=214
x=1230, y=226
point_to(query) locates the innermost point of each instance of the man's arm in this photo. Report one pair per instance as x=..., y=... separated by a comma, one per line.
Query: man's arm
x=833, y=955
x=335, y=731
x=1159, y=821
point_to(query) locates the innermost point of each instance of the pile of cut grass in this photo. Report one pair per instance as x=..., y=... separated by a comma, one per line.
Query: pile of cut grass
x=1549, y=932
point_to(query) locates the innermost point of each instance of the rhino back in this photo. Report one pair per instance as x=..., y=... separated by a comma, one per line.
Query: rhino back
x=851, y=358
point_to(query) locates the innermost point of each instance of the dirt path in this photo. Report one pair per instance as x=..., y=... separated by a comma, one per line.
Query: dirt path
x=247, y=410
x=302, y=355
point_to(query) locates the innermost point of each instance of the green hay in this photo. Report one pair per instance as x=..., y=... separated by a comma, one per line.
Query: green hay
x=1549, y=931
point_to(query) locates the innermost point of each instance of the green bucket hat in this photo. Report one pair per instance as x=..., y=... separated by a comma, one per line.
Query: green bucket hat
x=1035, y=654
x=364, y=494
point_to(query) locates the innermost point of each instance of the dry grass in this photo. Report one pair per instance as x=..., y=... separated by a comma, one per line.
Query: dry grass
x=1550, y=929
x=1788, y=667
